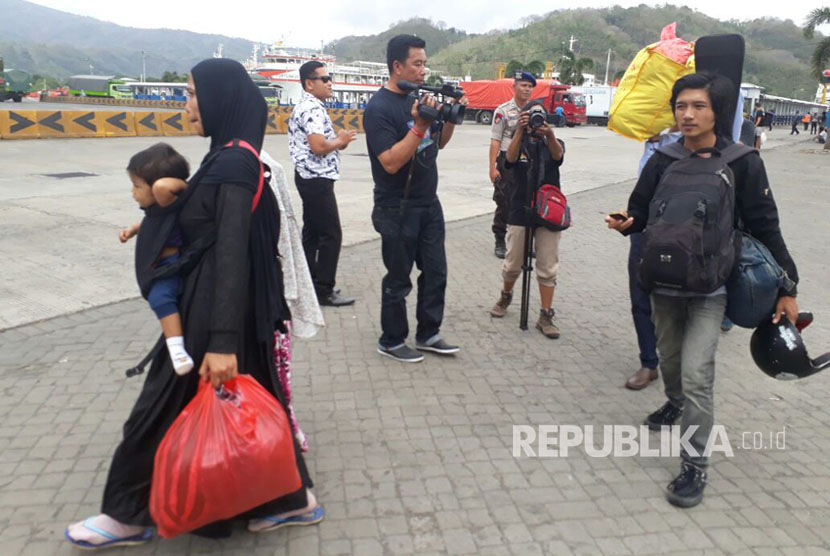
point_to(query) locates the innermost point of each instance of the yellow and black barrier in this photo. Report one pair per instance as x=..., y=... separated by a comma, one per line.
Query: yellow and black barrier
x=45, y=124
x=350, y=119
x=144, y=103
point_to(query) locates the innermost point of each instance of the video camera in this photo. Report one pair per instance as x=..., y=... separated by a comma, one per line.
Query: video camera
x=444, y=112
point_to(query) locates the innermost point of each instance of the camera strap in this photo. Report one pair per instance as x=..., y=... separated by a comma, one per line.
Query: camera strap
x=406, y=188
x=412, y=162
x=535, y=175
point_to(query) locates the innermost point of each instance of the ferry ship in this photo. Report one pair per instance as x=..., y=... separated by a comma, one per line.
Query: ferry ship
x=353, y=83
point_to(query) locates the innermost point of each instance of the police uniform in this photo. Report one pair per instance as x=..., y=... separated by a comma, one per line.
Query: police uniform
x=505, y=121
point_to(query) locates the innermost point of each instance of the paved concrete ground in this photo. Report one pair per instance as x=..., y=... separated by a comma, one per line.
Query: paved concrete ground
x=61, y=233
x=417, y=459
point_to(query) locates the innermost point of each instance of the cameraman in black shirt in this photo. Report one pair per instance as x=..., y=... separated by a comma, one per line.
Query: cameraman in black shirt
x=403, y=147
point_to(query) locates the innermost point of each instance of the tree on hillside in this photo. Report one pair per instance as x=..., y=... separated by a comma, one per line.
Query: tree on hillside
x=615, y=81
x=173, y=77
x=535, y=67
x=821, y=55
x=45, y=82
x=435, y=80
x=571, y=68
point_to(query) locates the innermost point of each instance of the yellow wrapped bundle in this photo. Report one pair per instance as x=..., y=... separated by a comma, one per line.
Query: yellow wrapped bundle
x=640, y=108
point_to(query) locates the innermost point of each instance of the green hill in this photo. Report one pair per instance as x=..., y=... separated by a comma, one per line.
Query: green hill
x=42, y=40
x=777, y=54
x=49, y=42
x=373, y=47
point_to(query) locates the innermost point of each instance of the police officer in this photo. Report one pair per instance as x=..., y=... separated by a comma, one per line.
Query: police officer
x=505, y=120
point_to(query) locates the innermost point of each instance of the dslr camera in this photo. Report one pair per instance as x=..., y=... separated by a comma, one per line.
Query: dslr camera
x=444, y=111
x=539, y=116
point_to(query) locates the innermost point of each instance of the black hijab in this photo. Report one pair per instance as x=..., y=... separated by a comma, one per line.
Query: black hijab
x=231, y=107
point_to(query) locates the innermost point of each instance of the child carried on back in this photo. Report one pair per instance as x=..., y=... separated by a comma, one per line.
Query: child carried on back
x=158, y=175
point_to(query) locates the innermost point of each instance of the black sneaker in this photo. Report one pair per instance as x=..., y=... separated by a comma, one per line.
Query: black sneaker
x=402, y=353
x=501, y=249
x=438, y=346
x=663, y=417
x=686, y=490
x=334, y=299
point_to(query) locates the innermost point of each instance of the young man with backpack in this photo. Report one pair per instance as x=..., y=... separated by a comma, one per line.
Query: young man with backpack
x=689, y=199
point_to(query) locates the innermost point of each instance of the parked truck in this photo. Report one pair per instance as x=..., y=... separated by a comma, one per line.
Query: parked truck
x=14, y=84
x=597, y=103
x=98, y=86
x=485, y=96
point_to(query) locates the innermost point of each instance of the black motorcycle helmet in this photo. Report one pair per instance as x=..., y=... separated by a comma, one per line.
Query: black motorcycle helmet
x=779, y=350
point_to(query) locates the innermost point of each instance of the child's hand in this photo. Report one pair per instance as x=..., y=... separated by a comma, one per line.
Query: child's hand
x=167, y=190
x=126, y=233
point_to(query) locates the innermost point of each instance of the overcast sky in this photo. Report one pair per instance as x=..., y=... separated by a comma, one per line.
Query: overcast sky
x=304, y=23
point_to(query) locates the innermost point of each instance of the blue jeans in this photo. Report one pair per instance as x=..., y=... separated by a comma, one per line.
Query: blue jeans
x=641, y=307
x=164, y=293
x=418, y=239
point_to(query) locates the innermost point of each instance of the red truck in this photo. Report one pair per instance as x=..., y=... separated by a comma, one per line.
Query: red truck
x=485, y=96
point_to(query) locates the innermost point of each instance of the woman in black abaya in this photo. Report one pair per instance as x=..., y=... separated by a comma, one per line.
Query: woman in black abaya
x=232, y=302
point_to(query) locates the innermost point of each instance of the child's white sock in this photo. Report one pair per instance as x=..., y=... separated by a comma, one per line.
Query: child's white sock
x=182, y=362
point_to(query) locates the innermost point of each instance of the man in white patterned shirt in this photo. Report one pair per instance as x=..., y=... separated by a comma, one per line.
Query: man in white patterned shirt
x=314, y=148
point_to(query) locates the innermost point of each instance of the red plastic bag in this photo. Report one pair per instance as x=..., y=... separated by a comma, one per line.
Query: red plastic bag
x=230, y=450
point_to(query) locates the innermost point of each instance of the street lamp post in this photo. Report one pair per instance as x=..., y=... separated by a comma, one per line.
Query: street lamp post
x=143, y=68
x=607, y=65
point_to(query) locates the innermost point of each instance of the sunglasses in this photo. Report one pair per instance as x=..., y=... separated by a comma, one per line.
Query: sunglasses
x=323, y=78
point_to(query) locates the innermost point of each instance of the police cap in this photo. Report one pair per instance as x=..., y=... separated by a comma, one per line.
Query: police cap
x=525, y=76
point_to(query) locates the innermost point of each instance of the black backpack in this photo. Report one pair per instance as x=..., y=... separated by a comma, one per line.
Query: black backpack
x=690, y=242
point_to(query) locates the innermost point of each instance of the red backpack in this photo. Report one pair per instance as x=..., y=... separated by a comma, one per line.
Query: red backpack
x=551, y=208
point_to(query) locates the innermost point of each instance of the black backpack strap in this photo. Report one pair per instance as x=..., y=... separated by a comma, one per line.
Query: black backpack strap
x=138, y=369
x=675, y=150
x=735, y=151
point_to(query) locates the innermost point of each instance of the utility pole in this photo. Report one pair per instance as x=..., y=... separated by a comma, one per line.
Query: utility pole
x=143, y=68
x=607, y=65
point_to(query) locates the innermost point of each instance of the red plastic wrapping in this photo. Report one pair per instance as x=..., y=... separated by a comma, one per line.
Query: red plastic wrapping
x=673, y=47
x=228, y=451
x=488, y=95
